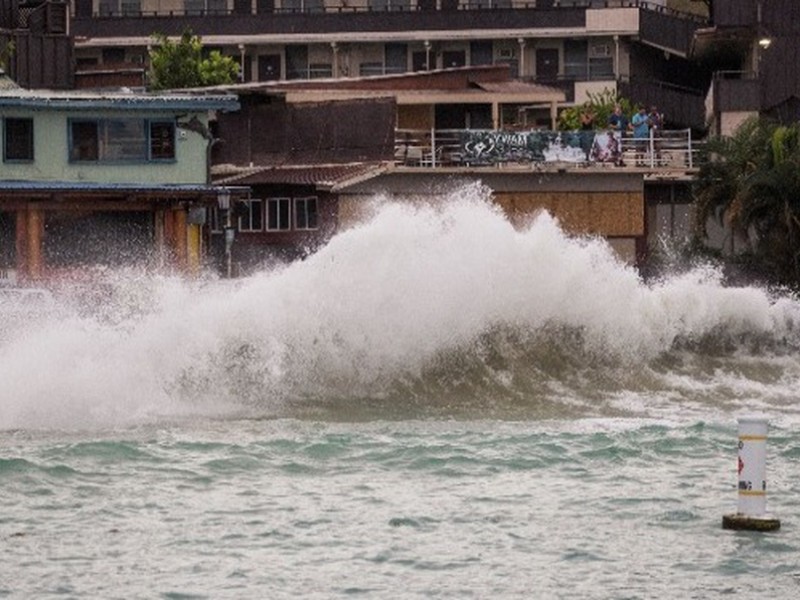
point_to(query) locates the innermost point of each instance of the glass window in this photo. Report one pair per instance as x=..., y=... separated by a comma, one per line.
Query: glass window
x=119, y=7
x=121, y=140
x=305, y=213
x=84, y=141
x=252, y=219
x=162, y=140
x=396, y=58
x=297, y=62
x=278, y=214
x=18, y=142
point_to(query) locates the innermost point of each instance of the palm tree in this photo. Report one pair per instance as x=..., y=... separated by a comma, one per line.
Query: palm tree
x=751, y=180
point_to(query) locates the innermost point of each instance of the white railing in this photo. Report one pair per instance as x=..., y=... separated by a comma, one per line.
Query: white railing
x=662, y=150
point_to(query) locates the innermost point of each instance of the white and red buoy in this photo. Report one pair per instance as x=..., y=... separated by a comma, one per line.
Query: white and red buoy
x=752, y=467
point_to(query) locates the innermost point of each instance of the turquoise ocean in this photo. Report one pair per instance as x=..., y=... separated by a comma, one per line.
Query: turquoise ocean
x=434, y=405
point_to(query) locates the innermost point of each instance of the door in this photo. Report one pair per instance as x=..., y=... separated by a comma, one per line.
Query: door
x=269, y=67
x=546, y=64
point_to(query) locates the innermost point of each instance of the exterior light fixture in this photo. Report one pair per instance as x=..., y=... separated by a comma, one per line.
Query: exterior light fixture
x=764, y=42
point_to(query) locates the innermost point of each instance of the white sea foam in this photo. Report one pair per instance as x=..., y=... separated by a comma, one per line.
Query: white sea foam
x=379, y=304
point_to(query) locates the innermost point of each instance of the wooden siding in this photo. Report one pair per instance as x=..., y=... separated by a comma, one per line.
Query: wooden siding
x=41, y=61
x=610, y=214
x=277, y=133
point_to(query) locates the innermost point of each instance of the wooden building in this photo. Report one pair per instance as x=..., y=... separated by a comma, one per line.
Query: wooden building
x=334, y=145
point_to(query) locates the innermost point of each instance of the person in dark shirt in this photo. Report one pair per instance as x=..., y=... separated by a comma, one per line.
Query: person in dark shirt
x=617, y=120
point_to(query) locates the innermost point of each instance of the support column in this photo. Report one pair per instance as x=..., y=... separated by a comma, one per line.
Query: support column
x=521, y=42
x=194, y=237
x=21, y=242
x=335, y=51
x=159, y=239
x=181, y=239
x=35, y=242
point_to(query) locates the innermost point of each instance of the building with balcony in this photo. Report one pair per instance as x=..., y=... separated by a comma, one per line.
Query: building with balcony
x=753, y=47
x=325, y=148
x=579, y=46
x=95, y=179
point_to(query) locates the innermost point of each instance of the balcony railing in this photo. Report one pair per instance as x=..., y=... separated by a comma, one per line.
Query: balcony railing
x=407, y=6
x=662, y=150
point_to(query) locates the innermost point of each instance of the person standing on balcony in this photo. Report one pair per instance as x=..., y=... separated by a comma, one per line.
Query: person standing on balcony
x=641, y=134
x=587, y=128
x=617, y=120
x=656, y=122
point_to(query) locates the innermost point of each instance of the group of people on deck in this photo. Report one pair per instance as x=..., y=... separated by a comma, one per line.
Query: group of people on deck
x=643, y=124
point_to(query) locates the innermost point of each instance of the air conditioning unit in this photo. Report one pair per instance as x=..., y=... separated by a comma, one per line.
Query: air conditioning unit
x=506, y=53
x=600, y=51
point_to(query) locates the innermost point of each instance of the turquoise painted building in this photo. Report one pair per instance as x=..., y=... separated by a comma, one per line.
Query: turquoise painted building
x=94, y=178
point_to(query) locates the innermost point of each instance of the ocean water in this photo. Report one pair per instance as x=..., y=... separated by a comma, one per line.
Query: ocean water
x=435, y=405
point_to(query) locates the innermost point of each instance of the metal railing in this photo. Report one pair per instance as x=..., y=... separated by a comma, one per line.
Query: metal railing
x=409, y=6
x=662, y=150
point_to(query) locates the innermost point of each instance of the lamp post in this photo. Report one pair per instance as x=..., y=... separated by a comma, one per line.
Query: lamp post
x=224, y=204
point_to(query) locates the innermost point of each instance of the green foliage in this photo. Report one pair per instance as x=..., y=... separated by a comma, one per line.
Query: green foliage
x=218, y=69
x=751, y=182
x=175, y=65
x=6, y=53
x=602, y=105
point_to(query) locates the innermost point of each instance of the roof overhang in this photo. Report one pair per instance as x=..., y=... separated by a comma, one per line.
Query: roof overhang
x=119, y=100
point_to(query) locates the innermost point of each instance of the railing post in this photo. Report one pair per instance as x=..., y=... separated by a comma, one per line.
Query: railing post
x=433, y=146
x=689, y=147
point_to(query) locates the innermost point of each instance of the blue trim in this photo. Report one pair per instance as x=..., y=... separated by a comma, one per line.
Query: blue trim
x=126, y=104
x=82, y=186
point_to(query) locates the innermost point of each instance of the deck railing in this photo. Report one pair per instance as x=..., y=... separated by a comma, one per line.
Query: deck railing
x=672, y=150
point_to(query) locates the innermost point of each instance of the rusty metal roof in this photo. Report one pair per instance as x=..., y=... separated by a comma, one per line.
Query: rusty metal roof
x=320, y=176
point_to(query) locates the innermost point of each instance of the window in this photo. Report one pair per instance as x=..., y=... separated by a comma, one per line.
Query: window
x=278, y=214
x=252, y=219
x=305, y=213
x=119, y=7
x=214, y=219
x=162, y=140
x=121, y=140
x=18, y=141
x=320, y=71
x=297, y=62
x=396, y=58
x=201, y=7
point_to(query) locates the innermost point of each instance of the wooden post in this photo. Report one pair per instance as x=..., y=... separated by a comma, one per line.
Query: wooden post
x=35, y=239
x=195, y=248
x=21, y=241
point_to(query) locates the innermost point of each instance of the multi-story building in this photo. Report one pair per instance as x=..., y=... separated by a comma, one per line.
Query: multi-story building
x=635, y=47
x=753, y=47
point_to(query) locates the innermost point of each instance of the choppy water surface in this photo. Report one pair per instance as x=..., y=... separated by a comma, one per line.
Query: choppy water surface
x=434, y=405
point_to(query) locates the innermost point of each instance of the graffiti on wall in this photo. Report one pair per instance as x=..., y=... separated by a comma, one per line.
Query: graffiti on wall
x=491, y=147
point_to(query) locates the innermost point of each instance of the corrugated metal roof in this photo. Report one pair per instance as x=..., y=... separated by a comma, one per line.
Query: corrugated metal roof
x=119, y=99
x=74, y=186
x=317, y=175
x=517, y=87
